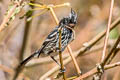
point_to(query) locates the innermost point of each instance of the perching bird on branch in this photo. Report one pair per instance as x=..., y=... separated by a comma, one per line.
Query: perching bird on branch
x=50, y=46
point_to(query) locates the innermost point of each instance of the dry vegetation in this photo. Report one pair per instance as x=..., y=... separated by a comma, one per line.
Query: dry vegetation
x=93, y=46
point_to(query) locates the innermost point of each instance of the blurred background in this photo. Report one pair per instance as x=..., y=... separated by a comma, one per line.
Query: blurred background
x=21, y=38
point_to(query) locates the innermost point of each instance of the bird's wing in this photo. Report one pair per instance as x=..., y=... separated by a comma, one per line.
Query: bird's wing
x=52, y=35
x=50, y=42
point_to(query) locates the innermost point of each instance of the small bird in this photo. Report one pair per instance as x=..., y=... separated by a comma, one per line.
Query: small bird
x=50, y=46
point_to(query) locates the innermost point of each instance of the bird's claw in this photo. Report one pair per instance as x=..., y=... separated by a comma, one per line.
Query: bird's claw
x=100, y=68
x=62, y=70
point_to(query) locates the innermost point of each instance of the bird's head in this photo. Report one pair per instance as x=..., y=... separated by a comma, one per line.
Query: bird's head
x=70, y=21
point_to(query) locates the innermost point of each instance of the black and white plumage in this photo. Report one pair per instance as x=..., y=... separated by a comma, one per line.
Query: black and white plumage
x=50, y=47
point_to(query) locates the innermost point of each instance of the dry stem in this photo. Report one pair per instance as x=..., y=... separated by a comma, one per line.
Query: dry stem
x=93, y=71
x=112, y=52
x=74, y=60
x=24, y=44
x=60, y=53
x=107, y=31
x=7, y=17
x=6, y=69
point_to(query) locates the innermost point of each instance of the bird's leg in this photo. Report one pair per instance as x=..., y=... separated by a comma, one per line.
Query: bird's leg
x=55, y=60
x=62, y=70
x=100, y=68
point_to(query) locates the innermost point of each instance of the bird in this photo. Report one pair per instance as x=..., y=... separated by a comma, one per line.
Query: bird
x=50, y=46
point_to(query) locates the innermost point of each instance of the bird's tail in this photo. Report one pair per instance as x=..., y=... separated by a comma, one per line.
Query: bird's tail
x=29, y=58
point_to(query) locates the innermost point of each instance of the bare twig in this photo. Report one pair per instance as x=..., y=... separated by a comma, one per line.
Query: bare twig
x=24, y=44
x=54, y=15
x=74, y=61
x=93, y=71
x=113, y=55
x=11, y=72
x=8, y=16
x=6, y=69
x=6, y=19
x=107, y=31
x=112, y=52
x=60, y=53
x=22, y=77
x=48, y=6
x=98, y=75
x=98, y=37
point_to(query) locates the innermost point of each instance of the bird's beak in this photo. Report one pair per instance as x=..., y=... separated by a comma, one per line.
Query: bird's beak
x=72, y=25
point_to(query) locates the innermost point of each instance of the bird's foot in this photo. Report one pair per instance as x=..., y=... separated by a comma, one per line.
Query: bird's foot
x=62, y=70
x=100, y=68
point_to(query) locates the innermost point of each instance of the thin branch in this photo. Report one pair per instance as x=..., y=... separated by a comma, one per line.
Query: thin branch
x=112, y=52
x=98, y=37
x=8, y=16
x=98, y=75
x=50, y=5
x=45, y=10
x=6, y=69
x=24, y=44
x=22, y=77
x=74, y=61
x=11, y=72
x=97, y=48
x=107, y=31
x=6, y=19
x=93, y=71
x=113, y=55
x=60, y=53
x=54, y=15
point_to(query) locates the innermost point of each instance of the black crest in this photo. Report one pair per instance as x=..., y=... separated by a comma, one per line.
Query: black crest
x=70, y=21
x=73, y=17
